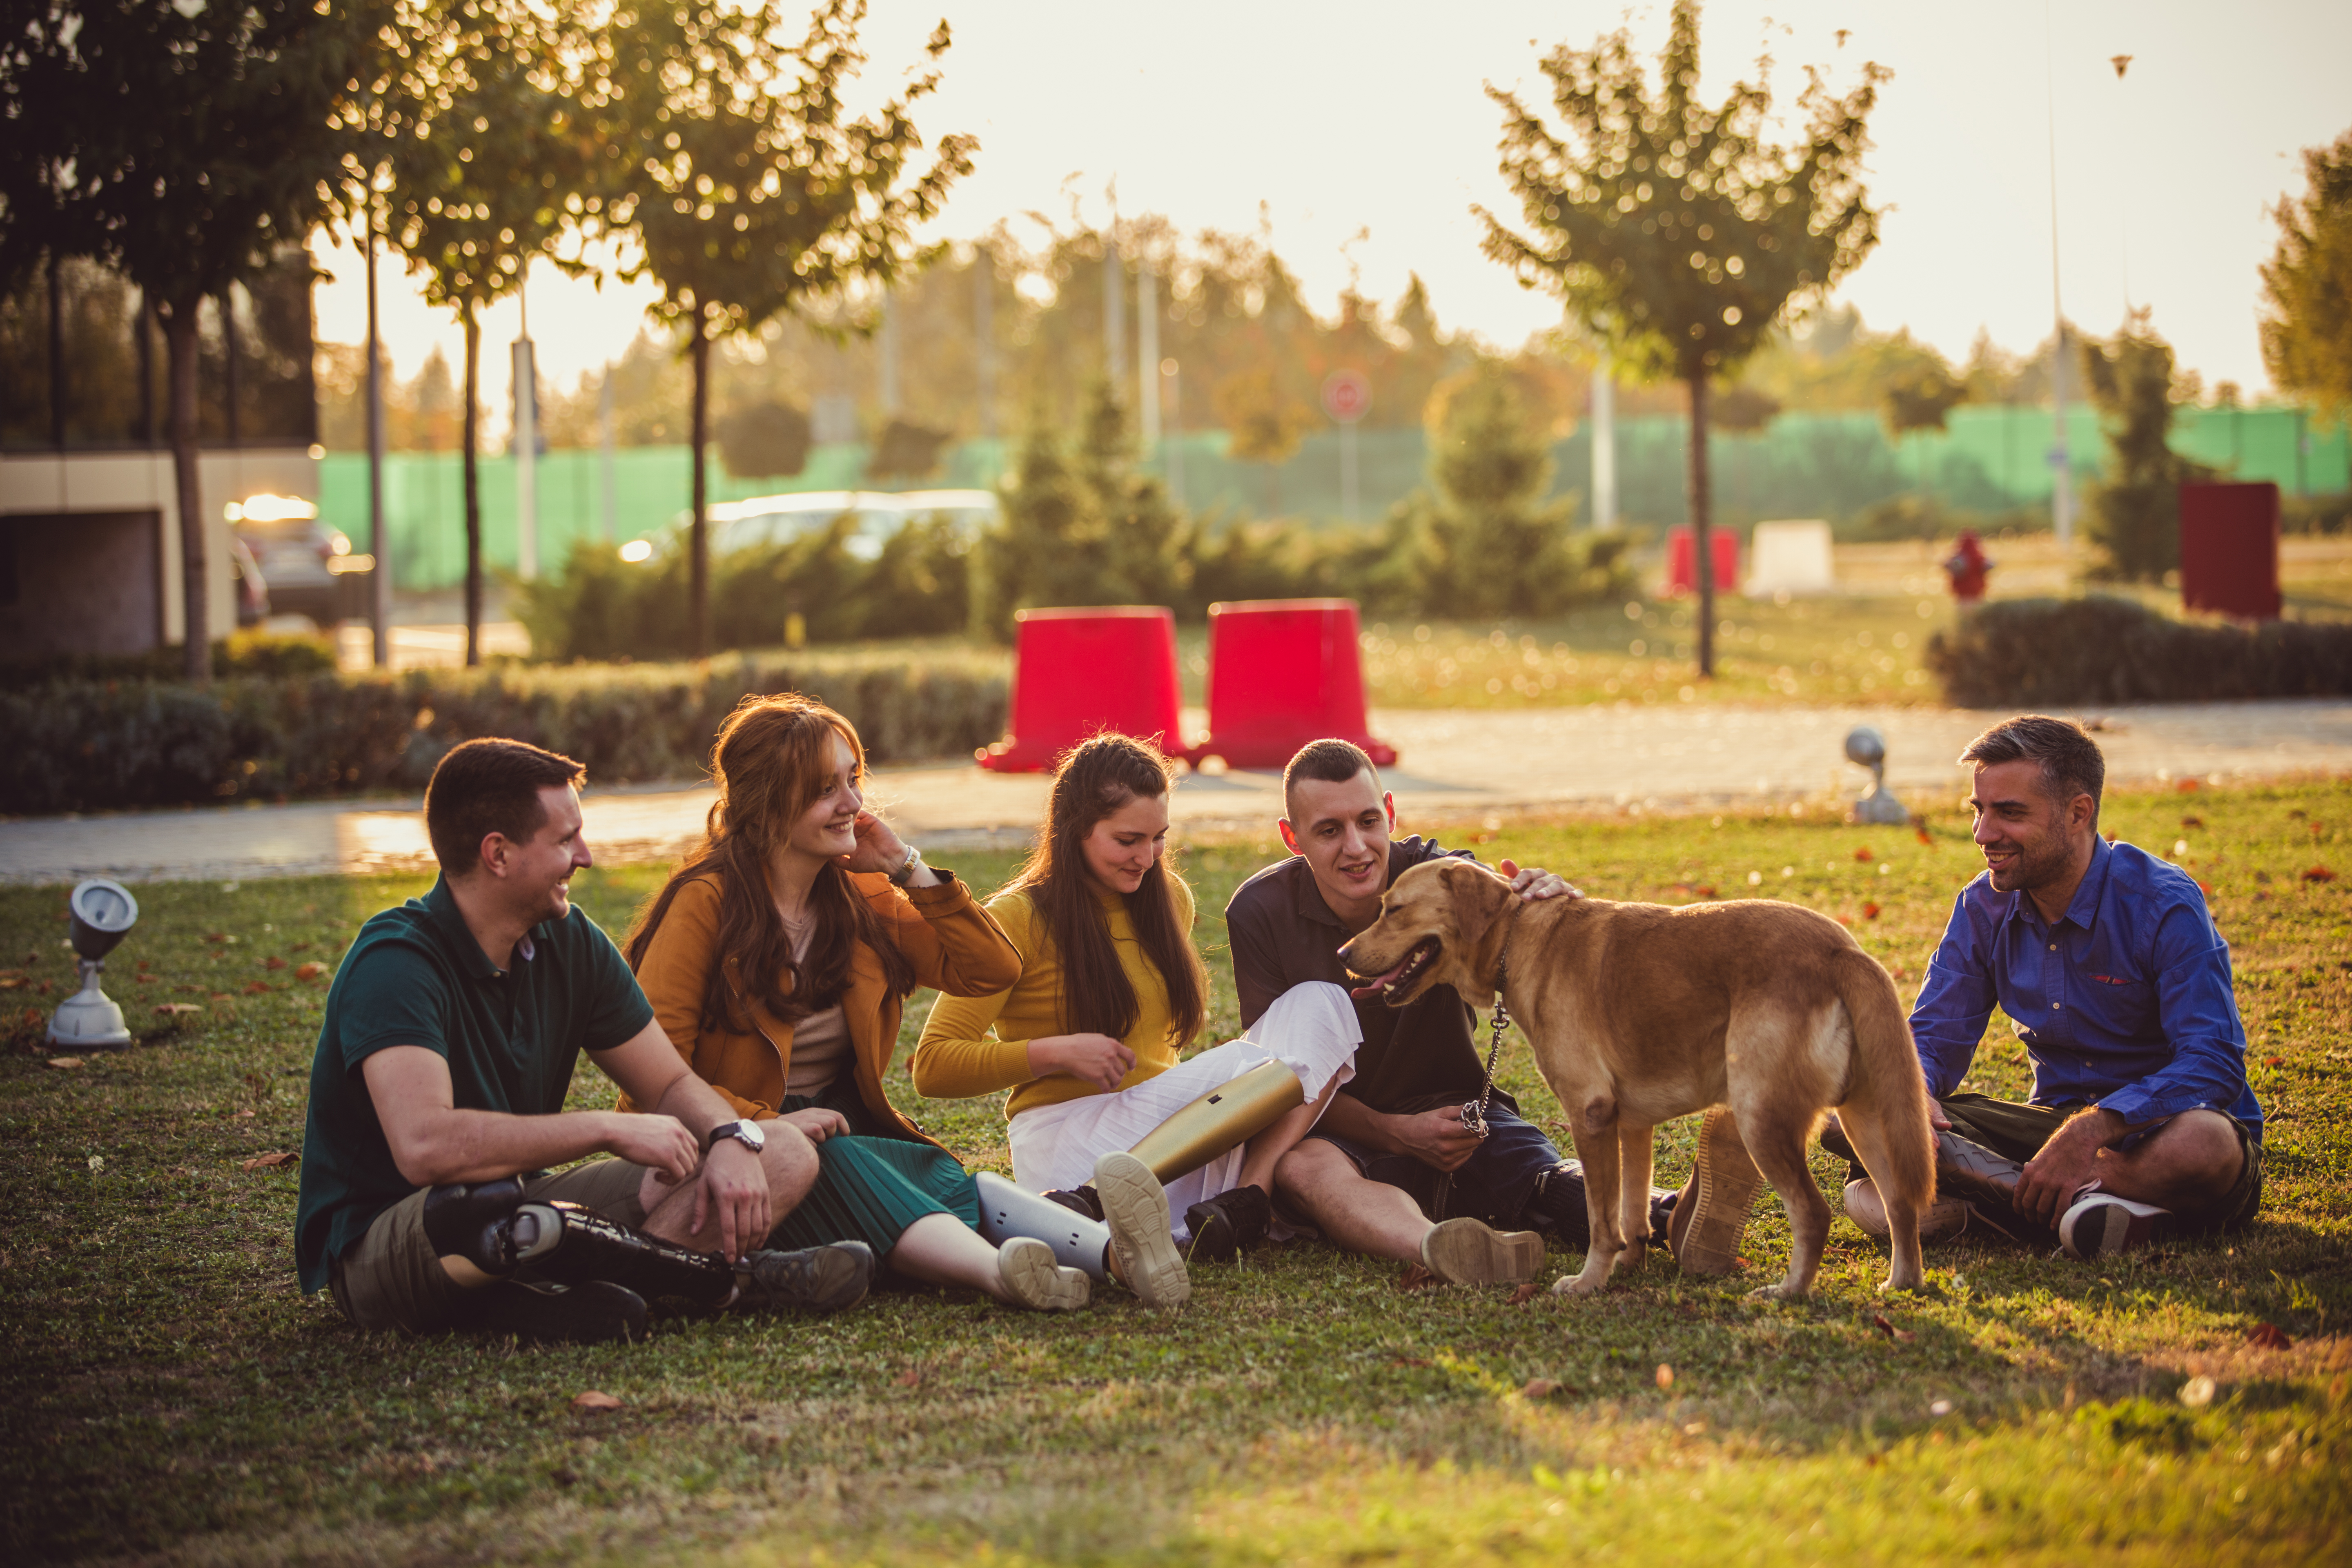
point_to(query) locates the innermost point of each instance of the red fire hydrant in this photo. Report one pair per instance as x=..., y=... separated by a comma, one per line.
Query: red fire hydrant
x=1967, y=567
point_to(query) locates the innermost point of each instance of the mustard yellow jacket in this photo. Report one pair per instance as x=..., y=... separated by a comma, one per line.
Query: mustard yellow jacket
x=953, y=944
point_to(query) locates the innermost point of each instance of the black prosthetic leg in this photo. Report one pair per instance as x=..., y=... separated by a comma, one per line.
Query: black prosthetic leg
x=1226, y=1226
x=474, y=1222
x=1557, y=1208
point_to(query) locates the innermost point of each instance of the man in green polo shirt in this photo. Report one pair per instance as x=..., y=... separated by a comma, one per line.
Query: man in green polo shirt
x=436, y=1105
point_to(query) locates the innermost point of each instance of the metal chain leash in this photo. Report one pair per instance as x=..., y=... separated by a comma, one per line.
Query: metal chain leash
x=1474, y=1113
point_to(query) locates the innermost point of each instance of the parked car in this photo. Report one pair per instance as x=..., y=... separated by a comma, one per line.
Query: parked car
x=307, y=566
x=252, y=590
x=765, y=521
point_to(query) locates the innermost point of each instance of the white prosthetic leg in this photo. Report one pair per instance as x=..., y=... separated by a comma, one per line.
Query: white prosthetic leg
x=1007, y=1211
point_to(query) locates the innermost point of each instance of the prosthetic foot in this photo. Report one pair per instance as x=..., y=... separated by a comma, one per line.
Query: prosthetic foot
x=1220, y=1120
x=1008, y=1212
x=1226, y=1226
x=595, y=1313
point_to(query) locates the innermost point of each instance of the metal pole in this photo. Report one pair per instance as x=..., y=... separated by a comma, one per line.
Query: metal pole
x=2062, y=485
x=379, y=540
x=1347, y=470
x=1114, y=311
x=526, y=449
x=984, y=332
x=1604, y=444
x=1175, y=422
x=889, y=356
x=605, y=441
x=1147, y=352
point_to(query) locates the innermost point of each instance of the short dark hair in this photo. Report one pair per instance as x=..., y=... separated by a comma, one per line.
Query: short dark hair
x=483, y=788
x=1327, y=761
x=2070, y=760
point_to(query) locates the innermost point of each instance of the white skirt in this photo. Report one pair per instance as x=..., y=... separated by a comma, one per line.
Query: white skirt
x=1311, y=1029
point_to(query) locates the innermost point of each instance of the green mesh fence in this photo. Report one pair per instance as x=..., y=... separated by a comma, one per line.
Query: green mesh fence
x=1830, y=466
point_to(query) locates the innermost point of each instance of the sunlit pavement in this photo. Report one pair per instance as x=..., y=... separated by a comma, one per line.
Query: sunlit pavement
x=1453, y=766
x=415, y=647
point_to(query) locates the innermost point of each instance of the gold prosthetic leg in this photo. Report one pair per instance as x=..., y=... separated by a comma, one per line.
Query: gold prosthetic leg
x=1220, y=1120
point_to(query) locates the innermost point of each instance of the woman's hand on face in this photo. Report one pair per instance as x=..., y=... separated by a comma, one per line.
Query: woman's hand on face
x=815, y=1123
x=878, y=849
x=1095, y=1059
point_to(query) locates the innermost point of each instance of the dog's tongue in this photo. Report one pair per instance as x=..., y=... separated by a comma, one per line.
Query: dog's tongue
x=1372, y=987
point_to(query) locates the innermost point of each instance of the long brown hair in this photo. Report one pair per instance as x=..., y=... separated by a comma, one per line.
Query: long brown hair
x=1097, y=777
x=771, y=763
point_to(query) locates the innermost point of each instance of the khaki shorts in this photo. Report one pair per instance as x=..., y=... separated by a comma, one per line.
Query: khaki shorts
x=393, y=1279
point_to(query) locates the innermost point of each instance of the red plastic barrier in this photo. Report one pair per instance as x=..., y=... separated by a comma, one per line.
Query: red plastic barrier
x=2230, y=549
x=1283, y=672
x=1682, y=561
x=1077, y=671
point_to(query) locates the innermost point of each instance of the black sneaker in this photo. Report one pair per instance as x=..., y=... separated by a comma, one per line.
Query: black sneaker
x=595, y=1313
x=1226, y=1226
x=1986, y=1182
x=1082, y=1200
x=828, y=1279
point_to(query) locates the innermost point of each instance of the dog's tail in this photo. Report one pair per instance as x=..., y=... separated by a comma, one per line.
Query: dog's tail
x=1887, y=1082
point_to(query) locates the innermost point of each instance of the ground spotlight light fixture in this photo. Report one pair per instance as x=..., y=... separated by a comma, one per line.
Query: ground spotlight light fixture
x=102, y=914
x=1866, y=748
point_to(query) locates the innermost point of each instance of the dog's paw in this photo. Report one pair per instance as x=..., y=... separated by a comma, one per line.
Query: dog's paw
x=1783, y=1291
x=1575, y=1285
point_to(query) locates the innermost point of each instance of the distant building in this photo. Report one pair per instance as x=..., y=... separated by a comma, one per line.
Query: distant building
x=89, y=534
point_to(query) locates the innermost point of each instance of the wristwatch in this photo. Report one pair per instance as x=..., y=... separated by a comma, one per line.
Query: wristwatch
x=747, y=1133
x=907, y=867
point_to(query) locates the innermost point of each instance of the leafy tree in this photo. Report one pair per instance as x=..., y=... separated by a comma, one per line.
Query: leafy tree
x=2134, y=510
x=185, y=147
x=764, y=440
x=1676, y=232
x=490, y=164
x=906, y=450
x=1081, y=525
x=1920, y=399
x=750, y=189
x=2307, y=284
x=1264, y=423
x=1743, y=407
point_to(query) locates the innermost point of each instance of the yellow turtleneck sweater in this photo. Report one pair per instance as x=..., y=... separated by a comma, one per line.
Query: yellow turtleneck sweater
x=978, y=1045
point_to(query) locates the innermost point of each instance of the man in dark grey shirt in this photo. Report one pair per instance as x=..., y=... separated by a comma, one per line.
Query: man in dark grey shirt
x=1392, y=1169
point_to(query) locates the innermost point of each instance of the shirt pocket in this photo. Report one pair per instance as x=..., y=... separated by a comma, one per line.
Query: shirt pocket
x=2120, y=1003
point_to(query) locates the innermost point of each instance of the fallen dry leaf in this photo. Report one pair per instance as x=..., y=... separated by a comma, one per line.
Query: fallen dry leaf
x=13, y=982
x=910, y=1378
x=276, y=1160
x=2268, y=1337
x=1870, y=911
x=173, y=1009
x=2319, y=874
x=2192, y=822
x=273, y=962
x=594, y=1399
x=1526, y=1293
x=2274, y=1061
x=311, y=970
x=1417, y=1277
x=1903, y=1335
x=2188, y=787
x=258, y=988
x=65, y=1061
x=1541, y=1388
x=1665, y=1375
x=1863, y=854
x=1410, y=1360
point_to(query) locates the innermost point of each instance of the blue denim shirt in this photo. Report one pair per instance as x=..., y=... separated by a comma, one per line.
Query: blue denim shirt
x=2124, y=1001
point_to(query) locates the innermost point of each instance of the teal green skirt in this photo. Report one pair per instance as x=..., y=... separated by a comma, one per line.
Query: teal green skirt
x=869, y=1188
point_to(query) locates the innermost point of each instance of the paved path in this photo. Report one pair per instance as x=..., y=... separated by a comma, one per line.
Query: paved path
x=1451, y=763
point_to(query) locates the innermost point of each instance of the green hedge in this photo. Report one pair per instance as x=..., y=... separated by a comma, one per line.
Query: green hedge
x=85, y=745
x=2031, y=653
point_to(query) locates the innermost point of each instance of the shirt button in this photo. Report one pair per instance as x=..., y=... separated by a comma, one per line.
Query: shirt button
x=2055, y=1005
x=2054, y=947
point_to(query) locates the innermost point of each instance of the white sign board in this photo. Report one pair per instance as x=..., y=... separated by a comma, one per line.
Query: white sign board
x=1789, y=558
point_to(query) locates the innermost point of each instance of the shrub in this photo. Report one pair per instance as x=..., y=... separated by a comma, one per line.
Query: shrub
x=2035, y=653
x=252, y=651
x=81, y=745
x=764, y=440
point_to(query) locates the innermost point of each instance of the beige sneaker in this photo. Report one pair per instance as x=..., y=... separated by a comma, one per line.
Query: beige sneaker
x=1712, y=1213
x=1025, y=1267
x=1469, y=1252
x=1135, y=1207
x=1943, y=1219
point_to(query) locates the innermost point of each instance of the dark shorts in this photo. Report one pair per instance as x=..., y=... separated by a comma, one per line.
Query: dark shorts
x=393, y=1280
x=1492, y=1186
x=2018, y=1132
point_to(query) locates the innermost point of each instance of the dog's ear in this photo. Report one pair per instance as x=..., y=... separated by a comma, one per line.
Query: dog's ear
x=1480, y=898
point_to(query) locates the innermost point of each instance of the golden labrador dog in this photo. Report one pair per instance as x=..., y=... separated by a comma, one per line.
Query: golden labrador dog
x=1639, y=1014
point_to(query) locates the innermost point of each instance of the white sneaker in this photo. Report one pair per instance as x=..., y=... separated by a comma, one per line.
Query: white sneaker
x=1943, y=1219
x=1135, y=1207
x=1025, y=1267
x=2101, y=1225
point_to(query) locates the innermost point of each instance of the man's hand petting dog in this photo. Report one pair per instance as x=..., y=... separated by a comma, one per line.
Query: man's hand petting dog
x=1533, y=884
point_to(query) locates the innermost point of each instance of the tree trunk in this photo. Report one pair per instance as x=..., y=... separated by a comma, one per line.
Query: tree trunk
x=470, y=440
x=1701, y=504
x=698, y=602
x=180, y=343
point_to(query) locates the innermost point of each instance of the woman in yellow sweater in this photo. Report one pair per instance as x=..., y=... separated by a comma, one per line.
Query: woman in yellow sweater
x=1089, y=1039
x=778, y=958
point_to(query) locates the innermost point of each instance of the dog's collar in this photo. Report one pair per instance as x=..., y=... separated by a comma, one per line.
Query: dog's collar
x=1503, y=954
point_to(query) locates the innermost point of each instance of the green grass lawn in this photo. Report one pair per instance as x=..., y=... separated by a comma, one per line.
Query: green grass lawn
x=170, y=1394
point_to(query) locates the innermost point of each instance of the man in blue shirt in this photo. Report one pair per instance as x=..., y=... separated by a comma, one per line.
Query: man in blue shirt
x=2141, y=1123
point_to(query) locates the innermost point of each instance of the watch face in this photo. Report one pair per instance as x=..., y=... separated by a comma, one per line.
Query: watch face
x=751, y=1136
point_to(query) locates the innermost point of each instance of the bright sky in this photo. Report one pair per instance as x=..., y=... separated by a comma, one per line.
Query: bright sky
x=1370, y=115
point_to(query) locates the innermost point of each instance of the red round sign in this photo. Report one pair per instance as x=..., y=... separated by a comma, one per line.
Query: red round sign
x=1347, y=395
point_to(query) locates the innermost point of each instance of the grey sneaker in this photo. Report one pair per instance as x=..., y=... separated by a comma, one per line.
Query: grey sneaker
x=1135, y=1207
x=1470, y=1252
x=828, y=1279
